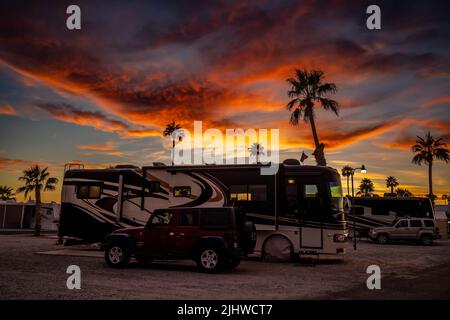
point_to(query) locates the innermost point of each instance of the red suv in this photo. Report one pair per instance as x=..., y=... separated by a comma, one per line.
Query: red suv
x=215, y=238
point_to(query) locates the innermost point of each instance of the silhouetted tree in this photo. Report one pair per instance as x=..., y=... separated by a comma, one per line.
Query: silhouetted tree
x=37, y=180
x=391, y=182
x=426, y=150
x=6, y=193
x=366, y=187
x=170, y=130
x=347, y=172
x=307, y=90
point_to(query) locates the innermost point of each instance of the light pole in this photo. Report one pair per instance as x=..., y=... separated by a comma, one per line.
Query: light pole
x=363, y=170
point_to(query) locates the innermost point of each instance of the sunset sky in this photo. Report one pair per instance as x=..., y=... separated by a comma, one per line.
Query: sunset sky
x=102, y=95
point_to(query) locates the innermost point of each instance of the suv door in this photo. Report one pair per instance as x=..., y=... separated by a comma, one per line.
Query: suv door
x=184, y=233
x=400, y=230
x=415, y=226
x=157, y=232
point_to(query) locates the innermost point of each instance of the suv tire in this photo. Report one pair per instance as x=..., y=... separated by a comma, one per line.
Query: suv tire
x=210, y=259
x=426, y=240
x=117, y=255
x=382, y=238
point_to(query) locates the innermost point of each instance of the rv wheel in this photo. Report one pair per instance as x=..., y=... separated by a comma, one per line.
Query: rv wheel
x=117, y=256
x=277, y=249
x=382, y=239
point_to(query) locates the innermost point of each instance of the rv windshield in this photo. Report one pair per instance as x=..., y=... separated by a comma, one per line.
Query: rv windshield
x=337, y=202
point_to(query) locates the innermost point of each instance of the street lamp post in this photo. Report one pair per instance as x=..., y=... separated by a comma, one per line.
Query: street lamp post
x=363, y=170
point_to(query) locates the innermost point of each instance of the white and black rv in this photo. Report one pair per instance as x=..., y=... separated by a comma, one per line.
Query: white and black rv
x=297, y=210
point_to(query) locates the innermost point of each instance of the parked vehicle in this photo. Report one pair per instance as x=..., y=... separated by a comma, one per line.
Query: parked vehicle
x=215, y=238
x=298, y=210
x=413, y=229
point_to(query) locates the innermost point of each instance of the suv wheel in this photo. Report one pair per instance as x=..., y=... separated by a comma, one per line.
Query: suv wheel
x=382, y=239
x=209, y=260
x=117, y=256
x=426, y=240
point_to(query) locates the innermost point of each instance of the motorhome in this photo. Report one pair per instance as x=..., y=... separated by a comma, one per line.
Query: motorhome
x=372, y=212
x=298, y=210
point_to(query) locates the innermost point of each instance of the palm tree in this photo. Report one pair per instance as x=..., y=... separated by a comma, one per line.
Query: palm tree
x=426, y=150
x=391, y=182
x=347, y=172
x=366, y=187
x=445, y=197
x=170, y=130
x=403, y=192
x=256, y=149
x=307, y=89
x=37, y=180
x=6, y=193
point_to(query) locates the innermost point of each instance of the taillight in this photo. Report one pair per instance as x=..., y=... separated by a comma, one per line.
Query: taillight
x=339, y=238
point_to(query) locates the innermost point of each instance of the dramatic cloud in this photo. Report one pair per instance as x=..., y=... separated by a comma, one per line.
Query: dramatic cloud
x=68, y=113
x=6, y=109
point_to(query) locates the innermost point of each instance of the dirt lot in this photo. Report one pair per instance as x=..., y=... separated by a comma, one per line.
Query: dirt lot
x=408, y=272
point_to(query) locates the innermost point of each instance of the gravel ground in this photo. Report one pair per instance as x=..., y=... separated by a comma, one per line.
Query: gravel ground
x=408, y=272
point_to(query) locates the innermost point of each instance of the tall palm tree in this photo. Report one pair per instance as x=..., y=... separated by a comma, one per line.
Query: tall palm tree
x=37, y=180
x=347, y=172
x=401, y=192
x=391, y=182
x=6, y=193
x=170, y=130
x=445, y=197
x=366, y=187
x=426, y=150
x=307, y=90
x=256, y=149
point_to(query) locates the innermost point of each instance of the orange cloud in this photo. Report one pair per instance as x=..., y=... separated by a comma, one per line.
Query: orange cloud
x=435, y=101
x=8, y=165
x=6, y=109
x=99, y=147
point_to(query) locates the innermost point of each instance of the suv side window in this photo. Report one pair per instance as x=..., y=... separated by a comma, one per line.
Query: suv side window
x=402, y=224
x=429, y=223
x=187, y=219
x=162, y=218
x=416, y=223
x=218, y=219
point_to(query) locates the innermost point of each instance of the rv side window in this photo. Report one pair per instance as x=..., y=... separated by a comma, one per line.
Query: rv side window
x=182, y=191
x=257, y=192
x=89, y=192
x=238, y=193
x=252, y=192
